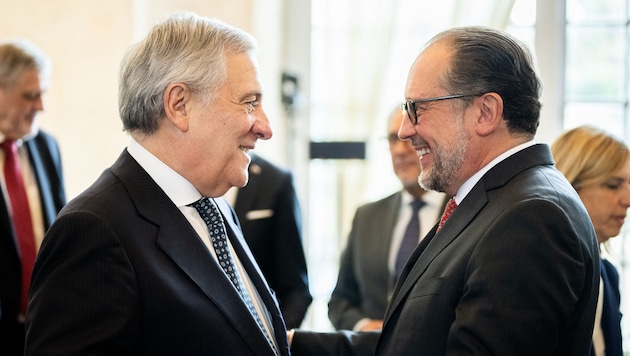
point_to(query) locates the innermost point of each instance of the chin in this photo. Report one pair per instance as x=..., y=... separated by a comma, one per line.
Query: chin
x=247, y=154
x=243, y=180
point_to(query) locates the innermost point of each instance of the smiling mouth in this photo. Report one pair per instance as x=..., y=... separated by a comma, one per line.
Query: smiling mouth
x=423, y=151
x=246, y=148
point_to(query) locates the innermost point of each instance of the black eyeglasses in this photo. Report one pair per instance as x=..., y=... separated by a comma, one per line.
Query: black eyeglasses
x=410, y=105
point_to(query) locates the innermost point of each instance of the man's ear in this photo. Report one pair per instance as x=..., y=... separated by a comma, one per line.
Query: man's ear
x=491, y=113
x=176, y=97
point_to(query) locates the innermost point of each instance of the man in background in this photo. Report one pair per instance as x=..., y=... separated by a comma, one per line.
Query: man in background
x=383, y=235
x=271, y=220
x=32, y=181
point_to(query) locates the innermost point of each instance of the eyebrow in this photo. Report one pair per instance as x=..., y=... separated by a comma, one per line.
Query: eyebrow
x=256, y=93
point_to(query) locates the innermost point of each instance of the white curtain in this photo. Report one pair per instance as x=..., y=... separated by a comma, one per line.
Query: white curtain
x=362, y=51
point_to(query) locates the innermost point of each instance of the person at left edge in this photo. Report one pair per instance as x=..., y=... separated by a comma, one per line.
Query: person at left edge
x=24, y=78
x=128, y=267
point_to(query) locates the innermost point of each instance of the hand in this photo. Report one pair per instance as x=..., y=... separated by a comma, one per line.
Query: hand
x=372, y=325
x=290, y=336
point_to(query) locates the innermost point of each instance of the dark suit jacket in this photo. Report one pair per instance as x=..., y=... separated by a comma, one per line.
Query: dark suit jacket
x=122, y=272
x=270, y=217
x=364, y=281
x=45, y=159
x=514, y=271
x=611, y=314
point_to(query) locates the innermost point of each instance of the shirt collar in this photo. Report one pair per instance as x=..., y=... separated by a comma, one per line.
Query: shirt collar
x=176, y=187
x=470, y=183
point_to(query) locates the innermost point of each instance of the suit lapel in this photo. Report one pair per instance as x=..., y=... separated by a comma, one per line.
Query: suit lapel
x=251, y=267
x=428, y=250
x=462, y=216
x=405, y=272
x=182, y=244
x=45, y=192
x=382, y=237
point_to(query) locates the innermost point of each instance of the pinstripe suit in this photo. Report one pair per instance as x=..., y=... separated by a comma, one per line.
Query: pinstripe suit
x=45, y=159
x=124, y=264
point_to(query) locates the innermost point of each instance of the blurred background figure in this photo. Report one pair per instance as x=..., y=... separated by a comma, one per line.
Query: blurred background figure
x=377, y=249
x=31, y=181
x=271, y=220
x=598, y=166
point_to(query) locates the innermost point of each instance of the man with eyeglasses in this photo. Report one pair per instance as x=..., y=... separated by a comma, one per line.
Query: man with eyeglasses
x=514, y=269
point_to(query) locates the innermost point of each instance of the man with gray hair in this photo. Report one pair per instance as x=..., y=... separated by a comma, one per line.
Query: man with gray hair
x=31, y=184
x=146, y=261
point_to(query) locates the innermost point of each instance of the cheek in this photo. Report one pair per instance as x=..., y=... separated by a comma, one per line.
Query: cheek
x=598, y=206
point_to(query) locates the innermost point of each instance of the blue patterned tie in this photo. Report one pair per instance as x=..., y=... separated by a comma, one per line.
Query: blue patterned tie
x=210, y=214
x=410, y=239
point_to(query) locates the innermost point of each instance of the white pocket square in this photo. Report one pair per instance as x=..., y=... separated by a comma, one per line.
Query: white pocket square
x=259, y=214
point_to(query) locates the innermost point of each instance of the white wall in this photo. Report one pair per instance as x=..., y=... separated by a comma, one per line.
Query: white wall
x=86, y=41
x=550, y=55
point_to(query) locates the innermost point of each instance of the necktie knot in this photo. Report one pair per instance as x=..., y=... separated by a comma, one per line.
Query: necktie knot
x=203, y=205
x=448, y=210
x=9, y=147
x=416, y=204
x=209, y=212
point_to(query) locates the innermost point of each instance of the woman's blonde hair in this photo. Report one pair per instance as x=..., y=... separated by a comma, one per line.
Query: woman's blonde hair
x=589, y=156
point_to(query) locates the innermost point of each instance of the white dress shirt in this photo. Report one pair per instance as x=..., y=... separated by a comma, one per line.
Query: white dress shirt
x=428, y=214
x=32, y=190
x=182, y=193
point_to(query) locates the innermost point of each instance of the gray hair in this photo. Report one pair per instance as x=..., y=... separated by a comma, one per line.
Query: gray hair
x=488, y=60
x=184, y=48
x=19, y=55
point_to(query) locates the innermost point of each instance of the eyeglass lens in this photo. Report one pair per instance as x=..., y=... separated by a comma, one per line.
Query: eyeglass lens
x=410, y=107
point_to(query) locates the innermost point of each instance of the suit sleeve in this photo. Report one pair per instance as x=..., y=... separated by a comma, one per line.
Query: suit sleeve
x=51, y=156
x=340, y=343
x=509, y=289
x=83, y=292
x=344, y=307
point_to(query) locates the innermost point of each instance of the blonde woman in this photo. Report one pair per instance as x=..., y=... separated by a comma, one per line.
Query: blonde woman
x=598, y=167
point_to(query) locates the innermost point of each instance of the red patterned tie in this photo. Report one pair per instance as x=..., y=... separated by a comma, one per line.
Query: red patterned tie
x=21, y=214
x=448, y=210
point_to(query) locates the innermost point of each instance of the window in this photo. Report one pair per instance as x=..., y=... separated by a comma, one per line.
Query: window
x=597, y=64
x=368, y=46
x=361, y=52
x=597, y=91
